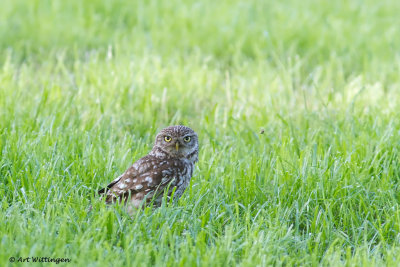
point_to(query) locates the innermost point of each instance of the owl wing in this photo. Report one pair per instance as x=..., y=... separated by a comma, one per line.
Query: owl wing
x=145, y=177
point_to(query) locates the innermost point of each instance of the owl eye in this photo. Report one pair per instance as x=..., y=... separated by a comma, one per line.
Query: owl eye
x=186, y=139
x=167, y=138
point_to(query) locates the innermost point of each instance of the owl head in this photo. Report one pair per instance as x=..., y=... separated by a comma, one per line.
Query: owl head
x=178, y=142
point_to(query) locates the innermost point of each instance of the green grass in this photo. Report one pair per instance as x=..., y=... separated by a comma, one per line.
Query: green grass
x=85, y=86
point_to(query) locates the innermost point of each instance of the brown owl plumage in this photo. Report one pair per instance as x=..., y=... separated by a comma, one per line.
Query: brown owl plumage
x=169, y=165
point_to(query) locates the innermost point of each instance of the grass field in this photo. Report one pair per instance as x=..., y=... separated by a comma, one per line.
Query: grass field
x=86, y=85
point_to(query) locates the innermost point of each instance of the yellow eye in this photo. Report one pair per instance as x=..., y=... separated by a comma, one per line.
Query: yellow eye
x=186, y=139
x=167, y=138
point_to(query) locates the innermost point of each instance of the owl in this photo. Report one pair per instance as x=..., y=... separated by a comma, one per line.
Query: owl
x=168, y=167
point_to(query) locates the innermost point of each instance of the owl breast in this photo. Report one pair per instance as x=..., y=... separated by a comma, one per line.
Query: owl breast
x=180, y=181
x=183, y=181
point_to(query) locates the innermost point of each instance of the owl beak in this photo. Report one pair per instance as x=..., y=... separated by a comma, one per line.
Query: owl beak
x=177, y=146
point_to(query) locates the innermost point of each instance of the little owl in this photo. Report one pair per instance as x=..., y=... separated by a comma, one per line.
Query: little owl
x=169, y=165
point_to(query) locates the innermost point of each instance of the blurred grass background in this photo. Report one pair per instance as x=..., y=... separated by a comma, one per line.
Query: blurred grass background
x=85, y=86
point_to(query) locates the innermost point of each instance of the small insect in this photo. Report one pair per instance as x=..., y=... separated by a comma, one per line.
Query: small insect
x=262, y=131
